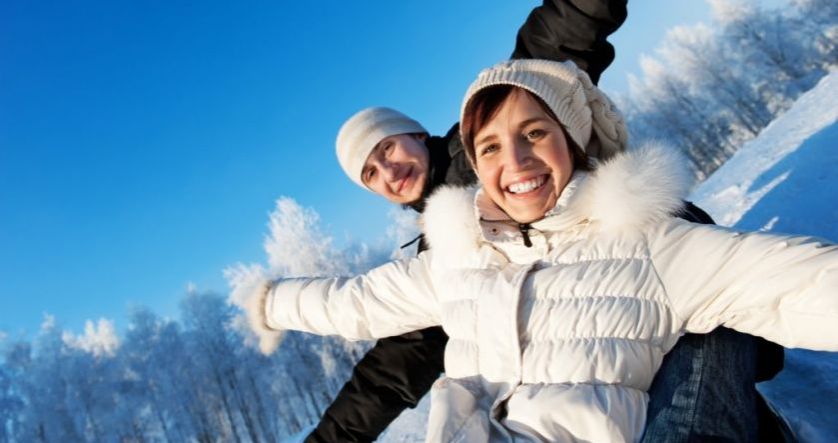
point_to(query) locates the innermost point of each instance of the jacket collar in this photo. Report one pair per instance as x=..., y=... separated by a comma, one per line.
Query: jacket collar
x=496, y=225
x=634, y=189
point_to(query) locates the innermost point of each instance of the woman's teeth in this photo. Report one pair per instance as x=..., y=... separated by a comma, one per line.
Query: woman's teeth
x=527, y=186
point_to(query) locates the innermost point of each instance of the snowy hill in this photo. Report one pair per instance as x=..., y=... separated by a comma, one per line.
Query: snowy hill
x=785, y=180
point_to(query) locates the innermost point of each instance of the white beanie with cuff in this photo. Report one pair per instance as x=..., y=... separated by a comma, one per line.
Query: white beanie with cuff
x=363, y=131
x=581, y=108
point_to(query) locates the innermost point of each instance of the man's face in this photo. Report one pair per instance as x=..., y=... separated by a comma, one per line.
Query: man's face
x=397, y=168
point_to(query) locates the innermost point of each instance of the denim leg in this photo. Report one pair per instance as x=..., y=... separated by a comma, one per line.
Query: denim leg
x=705, y=390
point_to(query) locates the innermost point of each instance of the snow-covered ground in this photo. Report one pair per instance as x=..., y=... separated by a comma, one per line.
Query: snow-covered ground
x=785, y=180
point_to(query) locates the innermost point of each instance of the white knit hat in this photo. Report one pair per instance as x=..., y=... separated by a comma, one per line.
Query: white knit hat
x=579, y=105
x=359, y=135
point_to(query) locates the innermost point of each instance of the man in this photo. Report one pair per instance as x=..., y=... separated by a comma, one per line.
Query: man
x=705, y=387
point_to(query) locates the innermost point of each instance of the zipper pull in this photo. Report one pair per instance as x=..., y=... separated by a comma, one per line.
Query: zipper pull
x=525, y=231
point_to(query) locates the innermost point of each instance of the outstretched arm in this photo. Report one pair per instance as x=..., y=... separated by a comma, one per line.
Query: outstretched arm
x=779, y=287
x=572, y=30
x=391, y=299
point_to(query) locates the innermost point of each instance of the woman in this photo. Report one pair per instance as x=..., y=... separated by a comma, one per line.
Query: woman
x=560, y=284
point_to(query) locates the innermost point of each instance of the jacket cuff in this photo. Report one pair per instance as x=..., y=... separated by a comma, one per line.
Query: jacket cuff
x=269, y=336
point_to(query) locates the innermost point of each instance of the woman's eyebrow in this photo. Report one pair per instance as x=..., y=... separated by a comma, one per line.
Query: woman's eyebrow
x=484, y=139
x=532, y=120
x=521, y=124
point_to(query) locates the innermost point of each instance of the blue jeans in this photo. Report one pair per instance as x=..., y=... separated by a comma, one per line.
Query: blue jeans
x=705, y=390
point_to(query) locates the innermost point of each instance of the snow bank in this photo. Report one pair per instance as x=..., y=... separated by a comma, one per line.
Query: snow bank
x=786, y=180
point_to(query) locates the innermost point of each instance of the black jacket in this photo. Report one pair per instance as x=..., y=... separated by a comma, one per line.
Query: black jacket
x=572, y=30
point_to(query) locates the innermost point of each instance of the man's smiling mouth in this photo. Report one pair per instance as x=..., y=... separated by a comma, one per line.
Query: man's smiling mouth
x=403, y=181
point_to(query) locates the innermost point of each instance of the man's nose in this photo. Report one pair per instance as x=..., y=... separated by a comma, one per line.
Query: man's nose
x=388, y=170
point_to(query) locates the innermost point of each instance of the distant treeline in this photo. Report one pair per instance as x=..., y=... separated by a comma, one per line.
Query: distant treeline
x=168, y=381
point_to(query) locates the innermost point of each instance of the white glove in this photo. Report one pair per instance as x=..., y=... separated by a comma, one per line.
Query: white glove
x=250, y=288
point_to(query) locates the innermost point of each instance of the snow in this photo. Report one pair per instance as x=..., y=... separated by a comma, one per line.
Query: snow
x=784, y=171
x=781, y=181
x=784, y=181
x=98, y=339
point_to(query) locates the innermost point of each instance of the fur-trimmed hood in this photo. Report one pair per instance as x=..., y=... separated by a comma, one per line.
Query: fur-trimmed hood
x=630, y=191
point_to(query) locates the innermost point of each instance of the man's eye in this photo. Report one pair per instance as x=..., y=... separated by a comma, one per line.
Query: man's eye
x=388, y=147
x=369, y=174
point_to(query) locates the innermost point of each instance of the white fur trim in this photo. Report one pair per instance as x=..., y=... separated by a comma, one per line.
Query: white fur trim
x=634, y=189
x=450, y=224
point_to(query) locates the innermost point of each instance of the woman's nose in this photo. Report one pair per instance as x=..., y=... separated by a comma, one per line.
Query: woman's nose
x=518, y=156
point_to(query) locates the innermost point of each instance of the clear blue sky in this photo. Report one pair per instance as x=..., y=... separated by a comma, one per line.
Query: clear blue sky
x=142, y=144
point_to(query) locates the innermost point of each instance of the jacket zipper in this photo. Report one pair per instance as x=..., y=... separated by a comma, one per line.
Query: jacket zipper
x=525, y=231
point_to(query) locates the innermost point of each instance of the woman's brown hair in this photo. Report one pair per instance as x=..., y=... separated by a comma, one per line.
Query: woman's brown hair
x=486, y=103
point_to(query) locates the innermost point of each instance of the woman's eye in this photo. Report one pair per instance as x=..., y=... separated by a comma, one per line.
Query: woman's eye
x=488, y=149
x=535, y=134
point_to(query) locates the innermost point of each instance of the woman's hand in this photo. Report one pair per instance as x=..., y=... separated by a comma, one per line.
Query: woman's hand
x=250, y=289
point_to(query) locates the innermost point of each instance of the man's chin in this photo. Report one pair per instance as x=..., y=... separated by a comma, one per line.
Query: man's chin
x=417, y=203
x=402, y=200
x=407, y=201
x=414, y=199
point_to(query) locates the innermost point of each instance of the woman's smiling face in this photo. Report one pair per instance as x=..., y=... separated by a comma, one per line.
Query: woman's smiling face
x=522, y=158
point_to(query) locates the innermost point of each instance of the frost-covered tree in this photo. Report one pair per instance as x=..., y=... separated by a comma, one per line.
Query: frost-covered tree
x=314, y=368
x=710, y=88
x=16, y=355
x=195, y=379
x=664, y=109
x=816, y=21
x=153, y=358
x=777, y=55
x=46, y=388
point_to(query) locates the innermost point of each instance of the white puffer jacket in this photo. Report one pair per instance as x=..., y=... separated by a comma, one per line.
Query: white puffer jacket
x=560, y=341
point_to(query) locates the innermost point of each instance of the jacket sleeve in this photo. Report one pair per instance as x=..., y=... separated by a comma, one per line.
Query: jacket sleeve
x=572, y=30
x=770, y=356
x=391, y=299
x=779, y=287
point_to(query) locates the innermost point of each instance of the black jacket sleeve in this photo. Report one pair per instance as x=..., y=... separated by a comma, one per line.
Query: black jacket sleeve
x=572, y=30
x=395, y=374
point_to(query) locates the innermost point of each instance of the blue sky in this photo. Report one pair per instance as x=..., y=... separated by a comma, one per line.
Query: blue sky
x=143, y=144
